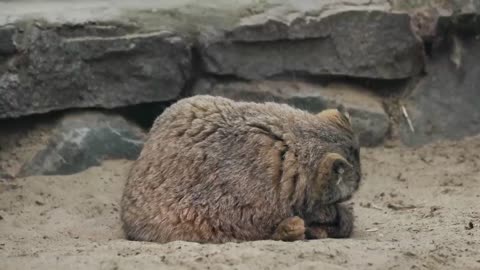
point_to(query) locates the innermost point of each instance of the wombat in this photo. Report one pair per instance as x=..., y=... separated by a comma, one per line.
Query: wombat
x=214, y=170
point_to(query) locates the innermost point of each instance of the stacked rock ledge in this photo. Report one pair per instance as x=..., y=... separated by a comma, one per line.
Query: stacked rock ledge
x=47, y=67
x=366, y=43
x=51, y=72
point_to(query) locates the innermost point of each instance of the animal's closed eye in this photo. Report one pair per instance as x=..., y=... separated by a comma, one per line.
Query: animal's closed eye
x=340, y=165
x=339, y=170
x=354, y=152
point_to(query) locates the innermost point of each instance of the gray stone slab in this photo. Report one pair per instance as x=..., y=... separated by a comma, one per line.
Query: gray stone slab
x=364, y=42
x=446, y=102
x=54, y=72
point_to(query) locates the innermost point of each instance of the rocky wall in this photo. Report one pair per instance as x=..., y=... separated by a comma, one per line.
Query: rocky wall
x=407, y=71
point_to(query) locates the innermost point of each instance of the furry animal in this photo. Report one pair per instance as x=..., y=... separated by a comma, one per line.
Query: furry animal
x=214, y=170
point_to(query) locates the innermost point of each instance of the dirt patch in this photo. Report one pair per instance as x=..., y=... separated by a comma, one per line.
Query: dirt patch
x=20, y=139
x=417, y=209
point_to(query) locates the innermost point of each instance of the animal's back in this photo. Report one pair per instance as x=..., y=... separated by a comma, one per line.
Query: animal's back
x=209, y=172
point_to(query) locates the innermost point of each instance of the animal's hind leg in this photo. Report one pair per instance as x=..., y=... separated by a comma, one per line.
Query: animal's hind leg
x=290, y=229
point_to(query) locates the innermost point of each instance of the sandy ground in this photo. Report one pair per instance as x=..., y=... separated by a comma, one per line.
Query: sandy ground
x=417, y=209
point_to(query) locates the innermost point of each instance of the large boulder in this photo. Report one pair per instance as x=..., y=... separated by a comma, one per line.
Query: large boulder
x=351, y=40
x=82, y=140
x=445, y=103
x=52, y=71
x=368, y=117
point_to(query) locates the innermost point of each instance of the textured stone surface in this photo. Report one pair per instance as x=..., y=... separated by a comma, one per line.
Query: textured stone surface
x=356, y=42
x=431, y=18
x=56, y=72
x=82, y=140
x=467, y=23
x=369, y=119
x=107, y=56
x=446, y=7
x=57, y=55
x=445, y=104
x=7, y=45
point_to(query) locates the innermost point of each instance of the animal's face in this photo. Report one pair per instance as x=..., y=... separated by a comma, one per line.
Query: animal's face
x=339, y=175
x=337, y=171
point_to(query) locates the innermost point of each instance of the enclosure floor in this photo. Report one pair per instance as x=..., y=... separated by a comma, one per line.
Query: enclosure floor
x=416, y=209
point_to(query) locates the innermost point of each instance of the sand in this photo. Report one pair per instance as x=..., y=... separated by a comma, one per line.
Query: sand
x=416, y=209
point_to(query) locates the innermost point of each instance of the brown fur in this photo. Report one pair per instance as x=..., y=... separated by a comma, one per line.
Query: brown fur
x=215, y=170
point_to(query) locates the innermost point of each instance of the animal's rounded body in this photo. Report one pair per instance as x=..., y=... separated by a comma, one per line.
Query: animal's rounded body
x=215, y=170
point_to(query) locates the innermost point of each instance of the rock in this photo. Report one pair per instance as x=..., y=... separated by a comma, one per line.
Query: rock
x=5, y=176
x=433, y=17
x=462, y=23
x=355, y=41
x=447, y=8
x=368, y=117
x=57, y=72
x=7, y=45
x=445, y=103
x=82, y=140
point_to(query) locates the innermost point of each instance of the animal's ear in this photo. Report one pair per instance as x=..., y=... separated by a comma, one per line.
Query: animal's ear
x=335, y=163
x=338, y=116
x=343, y=111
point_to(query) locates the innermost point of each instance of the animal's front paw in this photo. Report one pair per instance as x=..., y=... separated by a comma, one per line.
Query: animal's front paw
x=335, y=221
x=290, y=229
x=344, y=223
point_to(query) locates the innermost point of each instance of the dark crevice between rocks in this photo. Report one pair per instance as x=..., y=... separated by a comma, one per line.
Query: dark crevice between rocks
x=380, y=87
x=196, y=72
x=224, y=78
x=4, y=66
x=97, y=29
x=428, y=46
x=450, y=41
x=7, y=44
x=8, y=48
x=27, y=121
x=284, y=40
x=75, y=30
x=143, y=114
x=467, y=24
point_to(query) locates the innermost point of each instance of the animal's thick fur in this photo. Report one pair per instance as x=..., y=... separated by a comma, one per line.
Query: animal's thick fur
x=214, y=170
